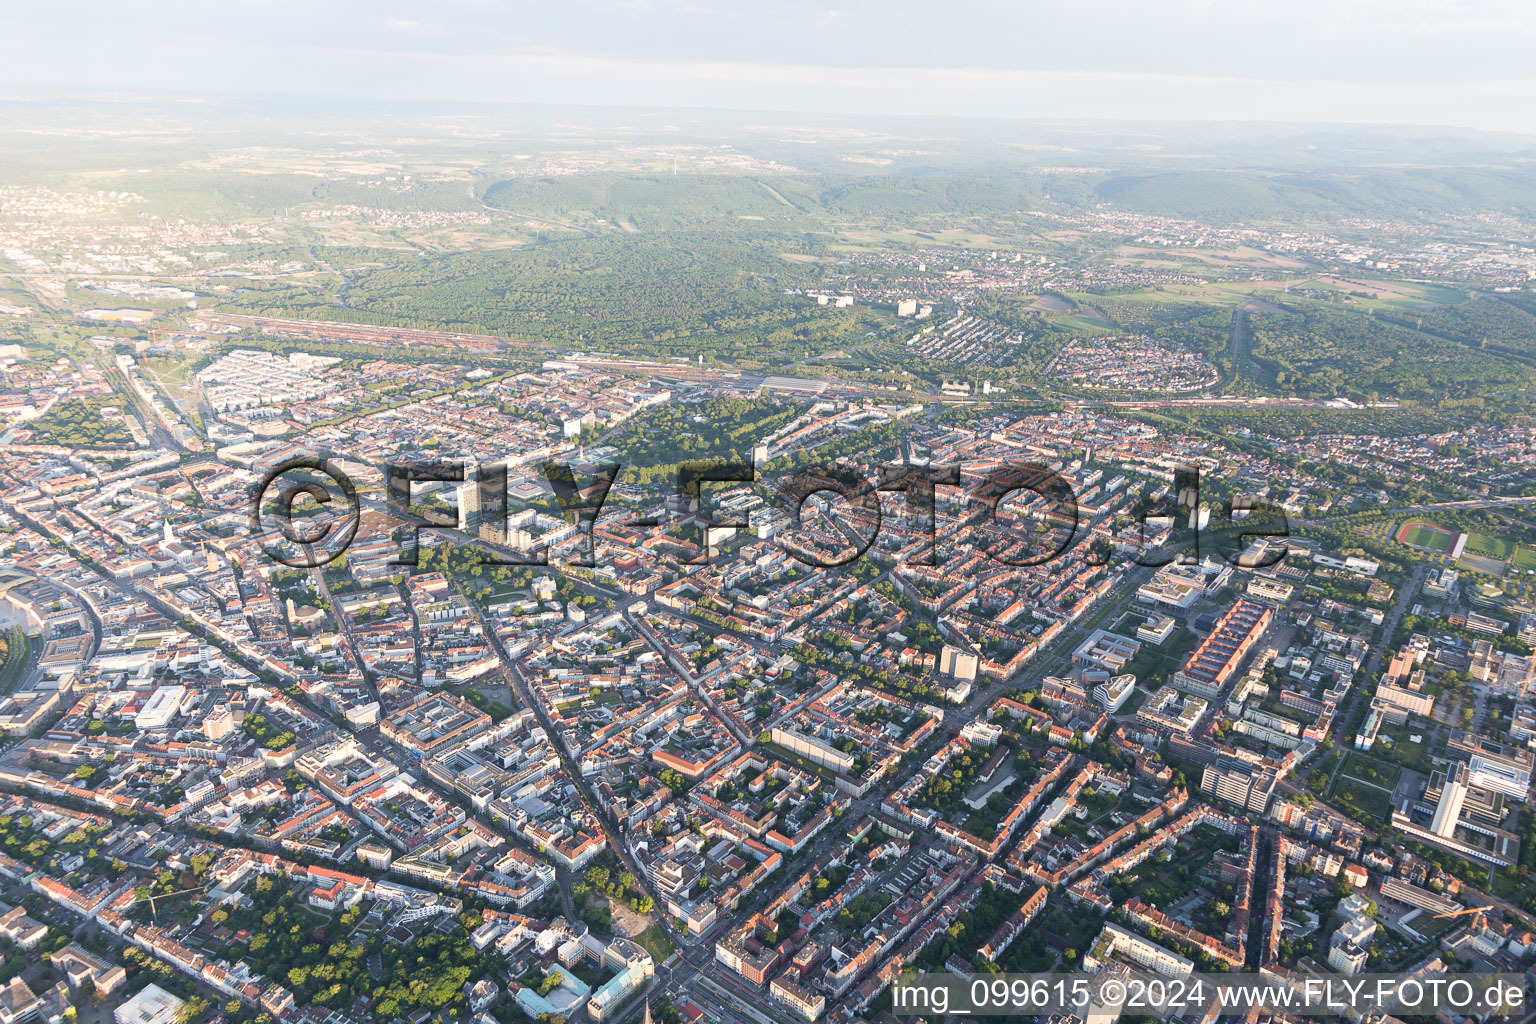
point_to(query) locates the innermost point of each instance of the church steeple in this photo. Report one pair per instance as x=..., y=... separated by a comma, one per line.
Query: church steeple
x=647, y=1018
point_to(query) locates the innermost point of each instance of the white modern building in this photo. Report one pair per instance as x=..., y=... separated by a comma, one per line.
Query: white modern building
x=152, y=1005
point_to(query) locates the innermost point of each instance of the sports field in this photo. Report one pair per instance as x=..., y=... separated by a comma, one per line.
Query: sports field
x=1493, y=547
x=1430, y=538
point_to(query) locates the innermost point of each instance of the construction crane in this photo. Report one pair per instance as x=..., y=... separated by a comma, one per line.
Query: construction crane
x=1462, y=911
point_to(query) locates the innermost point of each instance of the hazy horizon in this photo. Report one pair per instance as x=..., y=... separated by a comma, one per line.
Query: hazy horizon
x=1460, y=65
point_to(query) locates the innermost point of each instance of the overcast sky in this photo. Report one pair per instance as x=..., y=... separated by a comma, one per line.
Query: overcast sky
x=1394, y=61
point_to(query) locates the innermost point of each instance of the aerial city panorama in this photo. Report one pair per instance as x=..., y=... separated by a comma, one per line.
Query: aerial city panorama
x=528, y=524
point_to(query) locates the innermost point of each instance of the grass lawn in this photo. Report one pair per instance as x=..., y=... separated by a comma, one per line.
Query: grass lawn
x=1404, y=753
x=1430, y=926
x=1080, y=323
x=1365, y=800
x=174, y=378
x=1365, y=768
x=656, y=942
x=607, y=695
x=784, y=754
x=1134, y=702
x=1493, y=547
x=1505, y=886
x=589, y=975
x=1154, y=665
x=1525, y=558
x=320, y=920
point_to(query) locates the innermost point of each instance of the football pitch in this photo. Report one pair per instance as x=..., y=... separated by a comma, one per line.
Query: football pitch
x=1427, y=538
